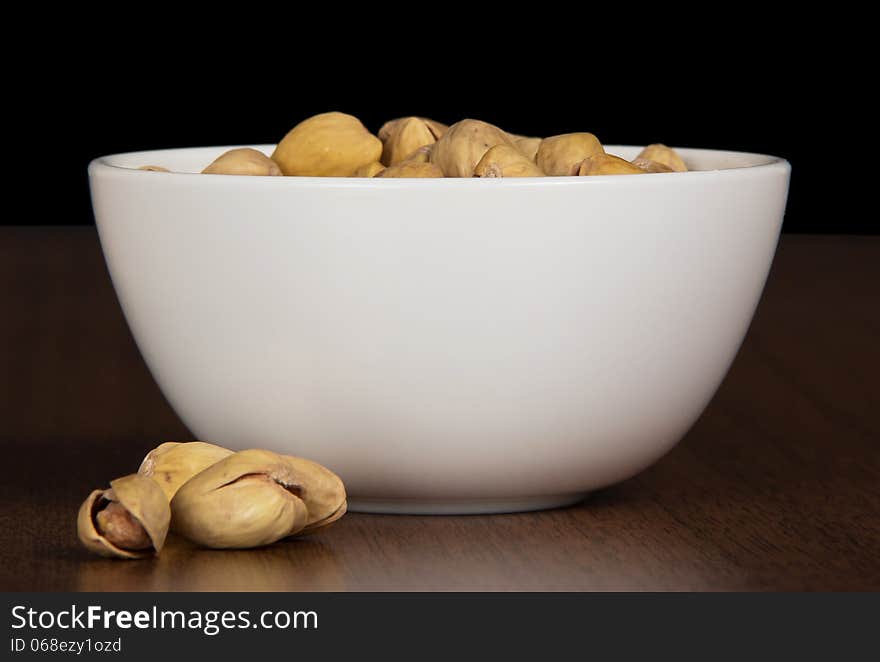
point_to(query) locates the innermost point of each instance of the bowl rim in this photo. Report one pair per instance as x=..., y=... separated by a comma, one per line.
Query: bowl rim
x=109, y=164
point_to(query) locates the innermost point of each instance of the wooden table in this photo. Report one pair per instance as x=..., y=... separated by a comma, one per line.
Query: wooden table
x=776, y=487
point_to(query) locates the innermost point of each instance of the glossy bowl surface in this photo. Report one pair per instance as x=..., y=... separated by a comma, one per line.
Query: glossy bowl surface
x=445, y=345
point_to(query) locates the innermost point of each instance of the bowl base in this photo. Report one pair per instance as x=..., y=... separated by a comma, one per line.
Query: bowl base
x=462, y=506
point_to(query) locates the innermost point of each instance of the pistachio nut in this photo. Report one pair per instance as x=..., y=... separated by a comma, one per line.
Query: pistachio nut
x=528, y=146
x=322, y=491
x=404, y=137
x=249, y=499
x=369, y=170
x=129, y=520
x=436, y=128
x=154, y=168
x=651, y=166
x=243, y=161
x=411, y=169
x=562, y=155
x=327, y=145
x=608, y=164
x=665, y=155
x=464, y=144
x=173, y=463
x=506, y=161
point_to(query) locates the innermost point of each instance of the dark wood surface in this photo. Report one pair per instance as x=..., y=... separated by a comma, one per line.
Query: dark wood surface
x=777, y=487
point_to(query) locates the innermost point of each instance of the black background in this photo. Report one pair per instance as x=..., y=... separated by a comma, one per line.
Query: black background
x=738, y=82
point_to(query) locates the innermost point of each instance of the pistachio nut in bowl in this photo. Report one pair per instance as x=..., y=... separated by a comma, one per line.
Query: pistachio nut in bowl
x=444, y=345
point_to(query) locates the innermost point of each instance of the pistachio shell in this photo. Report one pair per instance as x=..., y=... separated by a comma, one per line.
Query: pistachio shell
x=421, y=155
x=322, y=491
x=327, y=145
x=464, y=144
x=665, y=155
x=248, y=499
x=130, y=520
x=561, y=155
x=528, y=146
x=412, y=169
x=608, y=164
x=406, y=136
x=436, y=128
x=173, y=463
x=506, y=161
x=651, y=166
x=243, y=161
x=369, y=170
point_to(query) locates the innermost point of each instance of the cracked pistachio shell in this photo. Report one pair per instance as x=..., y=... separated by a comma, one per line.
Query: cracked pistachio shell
x=464, y=144
x=404, y=137
x=411, y=169
x=248, y=499
x=327, y=145
x=173, y=463
x=651, y=166
x=664, y=155
x=322, y=491
x=436, y=128
x=561, y=155
x=243, y=161
x=369, y=170
x=506, y=161
x=528, y=146
x=608, y=164
x=130, y=520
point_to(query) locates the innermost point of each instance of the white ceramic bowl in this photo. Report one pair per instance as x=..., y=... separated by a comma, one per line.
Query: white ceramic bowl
x=445, y=345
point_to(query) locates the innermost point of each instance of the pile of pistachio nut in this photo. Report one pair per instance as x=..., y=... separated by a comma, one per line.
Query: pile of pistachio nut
x=339, y=145
x=212, y=496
